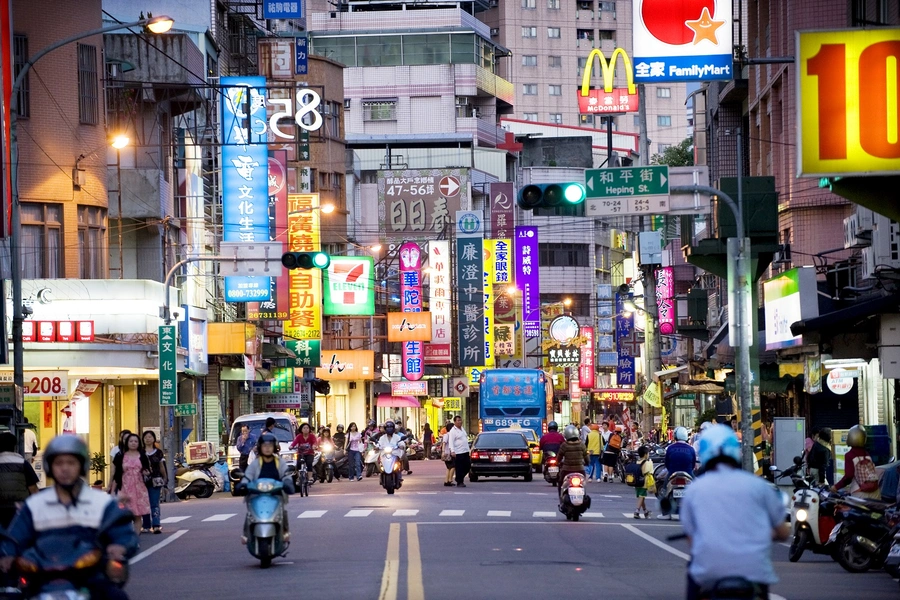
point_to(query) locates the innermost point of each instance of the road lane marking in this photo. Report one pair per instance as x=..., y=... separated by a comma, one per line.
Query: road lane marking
x=537, y=494
x=391, y=572
x=499, y=513
x=158, y=546
x=406, y=512
x=415, y=589
x=222, y=517
x=656, y=542
x=501, y=493
x=541, y=514
x=452, y=513
x=168, y=520
x=595, y=515
x=311, y=514
x=359, y=513
x=609, y=496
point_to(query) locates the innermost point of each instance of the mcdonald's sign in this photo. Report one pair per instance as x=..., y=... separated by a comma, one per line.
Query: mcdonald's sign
x=607, y=100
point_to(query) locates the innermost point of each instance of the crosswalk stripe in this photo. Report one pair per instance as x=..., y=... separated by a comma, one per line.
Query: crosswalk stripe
x=311, y=514
x=222, y=517
x=173, y=520
x=406, y=512
x=595, y=515
x=452, y=513
x=359, y=513
x=541, y=514
x=499, y=513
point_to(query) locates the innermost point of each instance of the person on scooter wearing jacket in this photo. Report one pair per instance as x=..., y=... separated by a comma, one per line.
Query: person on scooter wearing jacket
x=572, y=454
x=268, y=465
x=552, y=440
x=391, y=438
x=47, y=521
x=680, y=456
x=340, y=438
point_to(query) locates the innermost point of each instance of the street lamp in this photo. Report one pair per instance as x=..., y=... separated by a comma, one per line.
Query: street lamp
x=325, y=208
x=155, y=25
x=119, y=142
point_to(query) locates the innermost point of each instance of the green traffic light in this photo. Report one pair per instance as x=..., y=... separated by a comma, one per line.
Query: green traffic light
x=574, y=193
x=306, y=260
x=321, y=260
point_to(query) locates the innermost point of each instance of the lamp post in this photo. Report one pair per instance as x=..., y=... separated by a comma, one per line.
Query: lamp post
x=119, y=143
x=155, y=25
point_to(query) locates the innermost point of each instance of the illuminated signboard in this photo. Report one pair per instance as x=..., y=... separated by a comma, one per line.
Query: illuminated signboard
x=608, y=99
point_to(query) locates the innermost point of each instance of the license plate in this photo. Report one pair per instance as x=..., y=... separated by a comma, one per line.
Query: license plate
x=678, y=493
x=834, y=533
x=553, y=470
x=500, y=458
x=576, y=493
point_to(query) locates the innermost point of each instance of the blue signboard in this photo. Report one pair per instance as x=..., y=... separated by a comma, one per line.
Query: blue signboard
x=301, y=56
x=245, y=177
x=624, y=328
x=282, y=10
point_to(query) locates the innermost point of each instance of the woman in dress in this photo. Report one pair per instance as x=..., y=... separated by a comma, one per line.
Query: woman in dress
x=157, y=481
x=129, y=469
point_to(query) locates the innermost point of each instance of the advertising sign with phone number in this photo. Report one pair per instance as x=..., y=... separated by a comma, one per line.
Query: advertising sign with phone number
x=41, y=384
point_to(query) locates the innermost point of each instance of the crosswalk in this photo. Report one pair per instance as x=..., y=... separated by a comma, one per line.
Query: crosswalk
x=359, y=513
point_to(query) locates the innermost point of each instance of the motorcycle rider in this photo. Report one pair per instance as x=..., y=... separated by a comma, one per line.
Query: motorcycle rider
x=859, y=470
x=572, y=455
x=306, y=444
x=391, y=438
x=552, y=440
x=268, y=465
x=370, y=432
x=680, y=456
x=47, y=520
x=340, y=438
x=715, y=497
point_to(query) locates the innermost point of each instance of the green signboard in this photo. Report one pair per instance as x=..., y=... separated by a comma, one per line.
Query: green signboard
x=349, y=286
x=168, y=366
x=283, y=380
x=309, y=353
x=627, y=191
x=185, y=410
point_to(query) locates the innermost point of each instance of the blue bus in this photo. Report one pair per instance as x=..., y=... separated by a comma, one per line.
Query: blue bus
x=514, y=398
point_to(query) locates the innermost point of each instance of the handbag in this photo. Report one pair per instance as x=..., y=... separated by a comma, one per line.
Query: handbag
x=158, y=482
x=445, y=451
x=650, y=483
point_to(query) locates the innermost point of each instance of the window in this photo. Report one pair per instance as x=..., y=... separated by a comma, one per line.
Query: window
x=663, y=147
x=529, y=4
x=529, y=61
x=529, y=89
x=553, y=32
x=380, y=110
x=555, y=62
x=529, y=32
x=587, y=119
x=564, y=255
x=609, y=7
x=585, y=4
x=333, y=119
x=553, y=4
x=88, y=91
x=582, y=61
x=580, y=303
x=41, y=241
x=606, y=34
x=529, y=117
x=556, y=118
x=664, y=120
x=584, y=34
x=554, y=90
x=91, y=241
x=663, y=92
x=20, y=56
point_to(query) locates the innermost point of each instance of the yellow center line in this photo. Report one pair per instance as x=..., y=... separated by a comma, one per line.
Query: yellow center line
x=391, y=565
x=415, y=590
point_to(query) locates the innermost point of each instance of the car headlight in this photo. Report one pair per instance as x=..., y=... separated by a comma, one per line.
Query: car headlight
x=802, y=515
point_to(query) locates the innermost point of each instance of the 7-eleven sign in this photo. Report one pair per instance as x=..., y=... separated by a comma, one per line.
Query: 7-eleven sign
x=349, y=288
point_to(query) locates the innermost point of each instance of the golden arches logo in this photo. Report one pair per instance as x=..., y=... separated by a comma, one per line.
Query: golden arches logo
x=608, y=71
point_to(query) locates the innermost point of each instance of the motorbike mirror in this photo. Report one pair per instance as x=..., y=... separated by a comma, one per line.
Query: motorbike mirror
x=798, y=460
x=773, y=468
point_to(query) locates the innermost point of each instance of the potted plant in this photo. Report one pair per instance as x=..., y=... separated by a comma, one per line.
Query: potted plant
x=98, y=466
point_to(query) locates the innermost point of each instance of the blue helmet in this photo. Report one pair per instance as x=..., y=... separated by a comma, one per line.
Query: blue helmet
x=681, y=434
x=718, y=441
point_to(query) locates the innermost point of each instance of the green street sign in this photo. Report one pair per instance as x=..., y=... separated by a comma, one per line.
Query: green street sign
x=627, y=191
x=309, y=353
x=168, y=366
x=185, y=410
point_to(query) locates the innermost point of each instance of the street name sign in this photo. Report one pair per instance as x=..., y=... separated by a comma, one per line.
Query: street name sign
x=186, y=410
x=627, y=191
x=168, y=366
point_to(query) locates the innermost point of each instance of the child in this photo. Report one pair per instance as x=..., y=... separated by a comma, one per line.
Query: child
x=641, y=492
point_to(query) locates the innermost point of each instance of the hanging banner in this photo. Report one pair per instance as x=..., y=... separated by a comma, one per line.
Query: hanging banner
x=349, y=286
x=489, y=273
x=586, y=367
x=245, y=184
x=812, y=374
x=346, y=365
x=503, y=210
x=528, y=279
x=438, y=351
x=413, y=356
x=276, y=308
x=665, y=300
x=624, y=328
x=470, y=289
x=308, y=353
x=305, y=307
x=505, y=332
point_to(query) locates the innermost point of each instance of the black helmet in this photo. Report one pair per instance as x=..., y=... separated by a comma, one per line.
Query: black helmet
x=389, y=427
x=264, y=438
x=372, y=423
x=552, y=426
x=66, y=444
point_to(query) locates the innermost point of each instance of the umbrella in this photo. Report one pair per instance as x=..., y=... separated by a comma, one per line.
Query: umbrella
x=387, y=400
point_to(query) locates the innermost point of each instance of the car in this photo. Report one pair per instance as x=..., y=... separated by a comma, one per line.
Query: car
x=500, y=454
x=285, y=430
x=533, y=443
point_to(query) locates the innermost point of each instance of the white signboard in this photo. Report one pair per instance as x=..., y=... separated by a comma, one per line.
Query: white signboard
x=41, y=384
x=839, y=381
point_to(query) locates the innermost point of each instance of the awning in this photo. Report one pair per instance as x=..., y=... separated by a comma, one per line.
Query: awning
x=848, y=319
x=701, y=388
x=669, y=373
x=389, y=401
x=276, y=351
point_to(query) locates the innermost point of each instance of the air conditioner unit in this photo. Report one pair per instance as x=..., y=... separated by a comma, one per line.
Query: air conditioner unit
x=783, y=256
x=858, y=228
x=884, y=253
x=495, y=31
x=346, y=103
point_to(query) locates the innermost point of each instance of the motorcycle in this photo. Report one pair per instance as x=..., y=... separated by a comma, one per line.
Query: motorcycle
x=550, y=467
x=341, y=464
x=325, y=466
x=390, y=462
x=673, y=490
x=864, y=532
x=265, y=534
x=194, y=480
x=573, y=501
x=727, y=588
x=371, y=459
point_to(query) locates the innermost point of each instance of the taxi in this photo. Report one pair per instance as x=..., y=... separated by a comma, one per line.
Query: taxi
x=533, y=444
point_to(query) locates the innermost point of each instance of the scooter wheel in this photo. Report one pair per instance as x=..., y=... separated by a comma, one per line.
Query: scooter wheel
x=798, y=545
x=206, y=492
x=849, y=557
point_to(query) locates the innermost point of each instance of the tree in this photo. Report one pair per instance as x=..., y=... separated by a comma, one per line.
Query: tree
x=679, y=155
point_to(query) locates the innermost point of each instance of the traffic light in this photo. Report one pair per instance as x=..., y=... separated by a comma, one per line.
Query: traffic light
x=305, y=260
x=321, y=386
x=551, y=195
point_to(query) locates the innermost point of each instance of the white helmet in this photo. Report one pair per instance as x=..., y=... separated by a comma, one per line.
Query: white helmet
x=571, y=432
x=681, y=434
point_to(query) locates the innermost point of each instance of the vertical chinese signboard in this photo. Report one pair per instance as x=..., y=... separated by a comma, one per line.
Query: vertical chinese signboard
x=528, y=279
x=665, y=292
x=305, y=307
x=308, y=353
x=276, y=306
x=489, y=296
x=624, y=329
x=245, y=182
x=470, y=288
x=168, y=366
x=438, y=351
x=413, y=363
x=420, y=204
x=504, y=300
x=586, y=366
x=503, y=214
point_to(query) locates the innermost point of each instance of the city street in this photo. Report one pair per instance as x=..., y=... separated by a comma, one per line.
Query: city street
x=492, y=539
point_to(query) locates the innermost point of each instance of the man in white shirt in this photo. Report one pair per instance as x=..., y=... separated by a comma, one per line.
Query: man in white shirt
x=31, y=445
x=458, y=440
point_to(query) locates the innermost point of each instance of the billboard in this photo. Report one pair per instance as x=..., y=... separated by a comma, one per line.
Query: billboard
x=788, y=298
x=276, y=306
x=419, y=204
x=489, y=298
x=665, y=300
x=409, y=327
x=625, y=374
x=304, y=320
x=682, y=40
x=439, y=300
x=470, y=288
x=346, y=365
x=349, y=286
x=503, y=213
x=412, y=355
x=607, y=99
x=528, y=278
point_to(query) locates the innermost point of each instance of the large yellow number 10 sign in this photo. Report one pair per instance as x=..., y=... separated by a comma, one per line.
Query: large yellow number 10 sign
x=848, y=98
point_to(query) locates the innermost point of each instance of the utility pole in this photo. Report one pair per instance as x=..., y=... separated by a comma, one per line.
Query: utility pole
x=644, y=141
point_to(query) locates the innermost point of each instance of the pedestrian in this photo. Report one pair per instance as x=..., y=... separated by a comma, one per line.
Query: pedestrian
x=130, y=468
x=246, y=442
x=610, y=454
x=641, y=491
x=594, y=448
x=157, y=482
x=17, y=478
x=30, y=445
x=354, y=452
x=427, y=440
x=458, y=440
x=585, y=430
x=120, y=446
x=446, y=455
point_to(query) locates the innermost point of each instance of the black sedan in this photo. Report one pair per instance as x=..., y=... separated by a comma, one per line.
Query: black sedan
x=500, y=454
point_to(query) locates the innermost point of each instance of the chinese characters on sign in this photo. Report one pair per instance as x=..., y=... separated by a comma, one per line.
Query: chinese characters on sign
x=528, y=279
x=168, y=366
x=413, y=365
x=607, y=99
x=564, y=356
x=470, y=299
x=503, y=214
x=624, y=328
x=282, y=10
x=586, y=367
x=438, y=351
x=305, y=306
x=276, y=307
x=420, y=204
x=665, y=290
x=308, y=353
x=301, y=57
x=489, y=297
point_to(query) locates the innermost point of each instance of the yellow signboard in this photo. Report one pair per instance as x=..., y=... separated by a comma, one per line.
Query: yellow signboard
x=452, y=403
x=305, y=307
x=848, y=102
x=346, y=365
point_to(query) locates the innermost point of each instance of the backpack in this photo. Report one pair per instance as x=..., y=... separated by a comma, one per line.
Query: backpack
x=615, y=442
x=634, y=476
x=864, y=474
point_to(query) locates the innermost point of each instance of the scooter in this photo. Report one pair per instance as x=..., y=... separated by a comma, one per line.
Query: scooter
x=341, y=465
x=371, y=459
x=727, y=588
x=194, y=481
x=264, y=530
x=389, y=465
x=673, y=491
x=573, y=501
x=325, y=466
x=550, y=467
x=863, y=533
x=812, y=520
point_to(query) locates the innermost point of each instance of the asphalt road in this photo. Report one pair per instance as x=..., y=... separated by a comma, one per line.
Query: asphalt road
x=492, y=539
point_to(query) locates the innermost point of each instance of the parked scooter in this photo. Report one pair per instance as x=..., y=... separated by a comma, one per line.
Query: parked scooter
x=390, y=462
x=812, y=517
x=863, y=534
x=265, y=533
x=550, y=467
x=573, y=500
x=195, y=480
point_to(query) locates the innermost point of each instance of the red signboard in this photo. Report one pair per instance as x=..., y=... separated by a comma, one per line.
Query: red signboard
x=65, y=331
x=28, y=331
x=46, y=331
x=599, y=101
x=58, y=331
x=437, y=354
x=586, y=366
x=84, y=331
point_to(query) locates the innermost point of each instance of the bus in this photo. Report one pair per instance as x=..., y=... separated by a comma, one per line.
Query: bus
x=514, y=398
